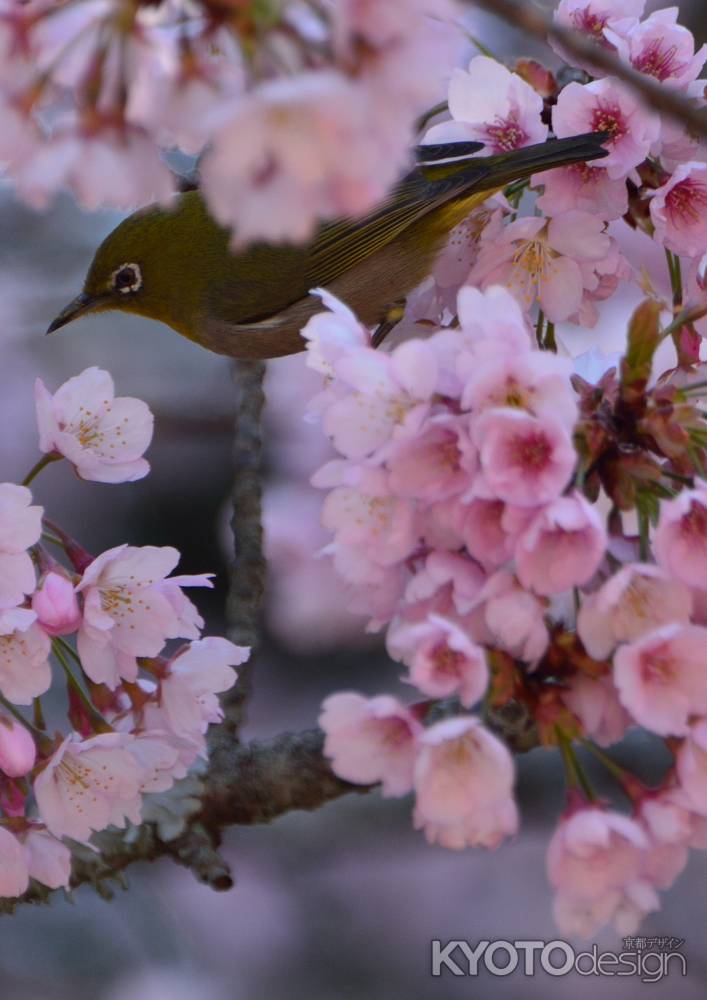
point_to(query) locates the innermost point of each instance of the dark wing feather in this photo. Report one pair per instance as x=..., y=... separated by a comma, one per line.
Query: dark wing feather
x=340, y=245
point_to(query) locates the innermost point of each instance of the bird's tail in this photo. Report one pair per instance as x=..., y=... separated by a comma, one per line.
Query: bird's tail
x=494, y=172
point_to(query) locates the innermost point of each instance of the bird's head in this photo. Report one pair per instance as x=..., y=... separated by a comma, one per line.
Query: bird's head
x=150, y=264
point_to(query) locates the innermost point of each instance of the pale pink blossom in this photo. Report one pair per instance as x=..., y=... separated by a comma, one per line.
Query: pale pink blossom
x=672, y=827
x=510, y=617
x=562, y=547
x=592, y=18
x=635, y=600
x=126, y=611
x=595, y=702
x=541, y=259
x=537, y=381
x=492, y=105
x=680, y=540
x=692, y=767
x=47, y=859
x=679, y=210
x=20, y=527
x=492, y=322
x=55, y=604
x=159, y=759
x=595, y=862
x=581, y=186
x=661, y=678
x=371, y=740
x=438, y=463
x=14, y=875
x=103, y=436
x=448, y=581
x=464, y=785
x=371, y=524
x=113, y=168
x=17, y=750
x=442, y=659
x=490, y=529
x=608, y=106
x=88, y=785
x=380, y=396
x=601, y=278
x=524, y=460
x=197, y=674
x=661, y=48
x=24, y=657
x=290, y=173
x=332, y=333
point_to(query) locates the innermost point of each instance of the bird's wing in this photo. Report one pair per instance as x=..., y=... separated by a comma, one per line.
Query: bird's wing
x=340, y=245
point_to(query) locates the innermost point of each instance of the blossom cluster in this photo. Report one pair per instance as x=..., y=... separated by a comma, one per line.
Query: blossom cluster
x=137, y=712
x=529, y=530
x=93, y=92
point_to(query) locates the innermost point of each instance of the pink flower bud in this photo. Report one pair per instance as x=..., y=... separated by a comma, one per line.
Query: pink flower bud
x=56, y=605
x=17, y=749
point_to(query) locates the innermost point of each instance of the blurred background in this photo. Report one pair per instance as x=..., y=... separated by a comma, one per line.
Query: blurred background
x=340, y=903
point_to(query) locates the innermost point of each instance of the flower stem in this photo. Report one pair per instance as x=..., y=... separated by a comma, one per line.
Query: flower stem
x=43, y=462
x=38, y=714
x=60, y=647
x=576, y=778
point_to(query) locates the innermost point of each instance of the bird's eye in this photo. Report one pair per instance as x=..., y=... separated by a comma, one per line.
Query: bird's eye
x=127, y=278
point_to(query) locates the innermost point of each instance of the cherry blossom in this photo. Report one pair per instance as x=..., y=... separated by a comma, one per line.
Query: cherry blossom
x=126, y=612
x=24, y=657
x=509, y=617
x=635, y=600
x=542, y=259
x=678, y=210
x=55, y=604
x=692, y=766
x=595, y=702
x=492, y=105
x=371, y=740
x=536, y=381
x=17, y=749
x=581, y=186
x=562, y=547
x=592, y=18
x=48, y=860
x=103, y=436
x=442, y=659
x=436, y=464
x=20, y=527
x=463, y=785
x=524, y=460
x=196, y=675
x=608, y=106
x=680, y=540
x=14, y=874
x=290, y=174
x=661, y=48
x=661, y=677
x=88, y=785
x=595, y=862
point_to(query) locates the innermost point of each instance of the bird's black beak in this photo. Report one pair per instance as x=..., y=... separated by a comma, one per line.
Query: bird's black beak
x=81, y=305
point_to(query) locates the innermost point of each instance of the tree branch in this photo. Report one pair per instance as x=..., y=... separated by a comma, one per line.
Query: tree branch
x=248, y=571
x=255, y=783
x=655, y=95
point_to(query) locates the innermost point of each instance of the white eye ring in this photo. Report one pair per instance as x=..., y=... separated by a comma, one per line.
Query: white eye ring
x=127, y=289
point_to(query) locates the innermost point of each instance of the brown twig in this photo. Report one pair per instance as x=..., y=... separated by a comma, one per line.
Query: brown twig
x=655, y=95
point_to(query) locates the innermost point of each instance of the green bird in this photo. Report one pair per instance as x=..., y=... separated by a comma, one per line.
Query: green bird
x=175, y=264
